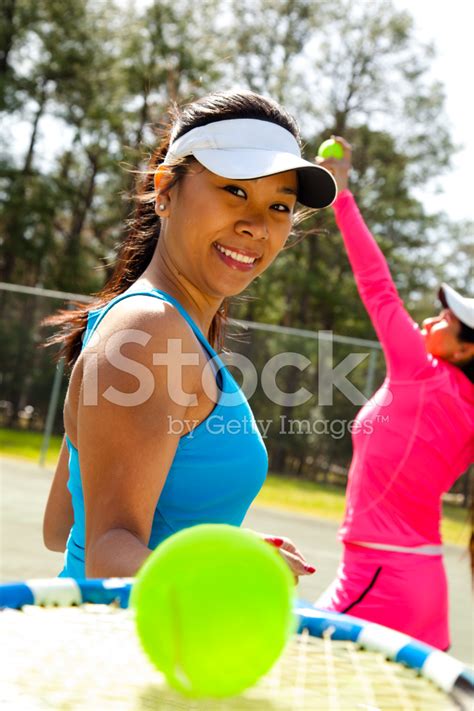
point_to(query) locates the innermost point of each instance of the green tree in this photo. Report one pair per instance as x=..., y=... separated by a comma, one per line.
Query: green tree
x=366, y=78
x=92, y=82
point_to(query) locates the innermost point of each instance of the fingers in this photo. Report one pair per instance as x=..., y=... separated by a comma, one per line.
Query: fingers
x=274, y=540
x=298, y=565
x=291, y=549
x=345, y=161
x=293, y=557
x=340, y=168
x=333, y=164
x=345, y=144
x=285, y=544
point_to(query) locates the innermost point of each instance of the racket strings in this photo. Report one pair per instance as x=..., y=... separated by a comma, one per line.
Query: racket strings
x=364, y=682
x=89, y=657
x=330, y=669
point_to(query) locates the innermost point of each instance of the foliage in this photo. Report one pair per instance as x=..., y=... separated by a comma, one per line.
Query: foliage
x=85, y=88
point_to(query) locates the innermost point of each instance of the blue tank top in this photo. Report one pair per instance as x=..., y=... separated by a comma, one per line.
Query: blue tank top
x=218, y=469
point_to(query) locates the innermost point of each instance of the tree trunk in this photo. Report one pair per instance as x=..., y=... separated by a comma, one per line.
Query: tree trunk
x=143, y=118
x=34, y=134
x=340, y=123
x=81, y=211
x=68, y=274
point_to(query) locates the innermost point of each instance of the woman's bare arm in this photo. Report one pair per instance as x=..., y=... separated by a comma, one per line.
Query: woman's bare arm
x=58, y=515
x=125, y=442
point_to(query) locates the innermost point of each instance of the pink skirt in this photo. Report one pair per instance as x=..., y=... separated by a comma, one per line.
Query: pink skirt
x=405, y=591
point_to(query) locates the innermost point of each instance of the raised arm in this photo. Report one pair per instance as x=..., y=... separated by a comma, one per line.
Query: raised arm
x=399, y=335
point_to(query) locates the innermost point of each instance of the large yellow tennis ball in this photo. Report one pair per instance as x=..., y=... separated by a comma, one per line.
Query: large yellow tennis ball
x=213, y=608
x=331, y=149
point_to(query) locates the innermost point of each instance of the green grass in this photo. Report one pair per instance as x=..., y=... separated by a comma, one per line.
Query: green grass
x=279, y=491
x=27, y=445
x=456, y=525
x=299, y=495
x=328, y=501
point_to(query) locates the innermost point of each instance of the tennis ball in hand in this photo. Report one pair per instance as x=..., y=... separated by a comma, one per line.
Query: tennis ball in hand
x=213, y=609
x=331, y=149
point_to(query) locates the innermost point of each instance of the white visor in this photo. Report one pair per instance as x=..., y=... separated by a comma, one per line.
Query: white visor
x=244, y=149
x=461, y=306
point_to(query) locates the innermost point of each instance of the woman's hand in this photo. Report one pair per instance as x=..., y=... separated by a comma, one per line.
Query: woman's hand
x=290, y=553
x=339, y=167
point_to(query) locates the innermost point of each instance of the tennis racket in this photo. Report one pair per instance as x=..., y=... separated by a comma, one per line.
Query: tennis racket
x=72, y=645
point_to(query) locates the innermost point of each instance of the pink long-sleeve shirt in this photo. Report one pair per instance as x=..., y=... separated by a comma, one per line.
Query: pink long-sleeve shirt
x=415, y=436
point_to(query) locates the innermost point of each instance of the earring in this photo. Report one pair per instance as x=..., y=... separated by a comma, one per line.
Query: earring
x=161, y=206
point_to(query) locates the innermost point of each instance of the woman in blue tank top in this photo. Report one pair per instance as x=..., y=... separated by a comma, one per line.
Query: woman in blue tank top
x=159, y=436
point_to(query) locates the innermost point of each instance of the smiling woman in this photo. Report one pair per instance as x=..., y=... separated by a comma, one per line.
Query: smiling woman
x=139, y=462
x=241, y=227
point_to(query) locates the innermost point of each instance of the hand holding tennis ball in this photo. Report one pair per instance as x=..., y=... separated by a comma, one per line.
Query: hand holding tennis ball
x=213, y=608
x=335, y=155
x=331, y=149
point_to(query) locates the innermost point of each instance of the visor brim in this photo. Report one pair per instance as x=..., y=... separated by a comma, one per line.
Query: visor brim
x=461, y=306
x=316, y=186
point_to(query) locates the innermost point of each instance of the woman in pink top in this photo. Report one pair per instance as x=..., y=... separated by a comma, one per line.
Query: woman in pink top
x=416, y=438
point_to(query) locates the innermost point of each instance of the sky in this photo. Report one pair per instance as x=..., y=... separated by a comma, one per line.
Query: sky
x=449, y=25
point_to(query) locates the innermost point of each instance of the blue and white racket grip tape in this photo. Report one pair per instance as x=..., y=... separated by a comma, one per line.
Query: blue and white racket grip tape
x=451, y=675
x=65, y=592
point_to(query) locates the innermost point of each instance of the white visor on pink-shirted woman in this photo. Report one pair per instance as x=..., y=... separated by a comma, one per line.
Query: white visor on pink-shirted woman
x=244, y=149
x=461, y=306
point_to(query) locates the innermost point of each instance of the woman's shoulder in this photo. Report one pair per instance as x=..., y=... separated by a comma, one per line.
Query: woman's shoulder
x=126, y=360
x=132, y=337
x=142, y=318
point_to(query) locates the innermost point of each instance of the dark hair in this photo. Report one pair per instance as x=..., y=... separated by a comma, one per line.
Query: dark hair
x=466, y=335
x=143, y=230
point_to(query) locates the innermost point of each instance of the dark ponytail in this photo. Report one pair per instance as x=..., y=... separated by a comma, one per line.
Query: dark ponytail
x=143, y=230
x=134, y=256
